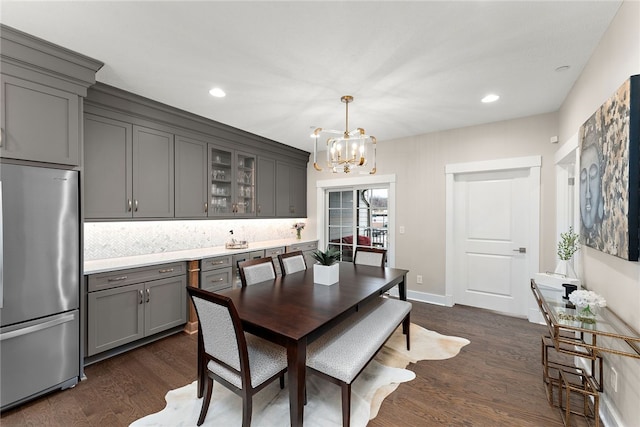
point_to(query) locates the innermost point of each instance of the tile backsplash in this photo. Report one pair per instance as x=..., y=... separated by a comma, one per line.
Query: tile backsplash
x=118, y=239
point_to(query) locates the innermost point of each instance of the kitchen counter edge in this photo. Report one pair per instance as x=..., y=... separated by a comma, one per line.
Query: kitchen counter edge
x=120, y=263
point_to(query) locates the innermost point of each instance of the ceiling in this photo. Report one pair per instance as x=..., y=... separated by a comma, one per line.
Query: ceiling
x=412, y=67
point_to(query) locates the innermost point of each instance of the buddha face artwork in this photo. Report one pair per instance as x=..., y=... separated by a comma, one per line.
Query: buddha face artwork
x=608, y=175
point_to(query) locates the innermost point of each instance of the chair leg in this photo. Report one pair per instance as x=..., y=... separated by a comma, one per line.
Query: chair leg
x=247, y=403
x=346, y=404
x=206, y=400
x=281, y=381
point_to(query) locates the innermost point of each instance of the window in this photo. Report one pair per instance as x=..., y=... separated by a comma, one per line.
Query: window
x=360, y=212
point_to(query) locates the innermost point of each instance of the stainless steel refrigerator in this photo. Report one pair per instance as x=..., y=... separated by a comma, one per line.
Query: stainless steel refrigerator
x=39, y=282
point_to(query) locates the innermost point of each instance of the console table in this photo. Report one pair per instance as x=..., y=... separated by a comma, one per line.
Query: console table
x=571, y=336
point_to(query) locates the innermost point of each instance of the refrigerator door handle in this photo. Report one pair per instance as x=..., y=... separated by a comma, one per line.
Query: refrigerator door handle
x=28, y=330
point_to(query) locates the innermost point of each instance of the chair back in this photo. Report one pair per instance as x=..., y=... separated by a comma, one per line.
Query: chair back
x=220, y=332
x=370, y=256
x=292, y=262
x=256, y=270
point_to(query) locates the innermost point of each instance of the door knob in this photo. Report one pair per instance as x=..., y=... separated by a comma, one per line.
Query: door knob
x=521, y=250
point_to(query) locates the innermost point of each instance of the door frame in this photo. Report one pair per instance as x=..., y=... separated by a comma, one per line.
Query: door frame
x=387, y=180
x=533, y=163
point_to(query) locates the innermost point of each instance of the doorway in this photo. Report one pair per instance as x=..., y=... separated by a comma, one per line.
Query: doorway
x=493, y=233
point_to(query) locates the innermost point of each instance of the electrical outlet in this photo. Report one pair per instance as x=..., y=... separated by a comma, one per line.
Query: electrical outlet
x=419, y=279
x=614, y=379
x=402, y=229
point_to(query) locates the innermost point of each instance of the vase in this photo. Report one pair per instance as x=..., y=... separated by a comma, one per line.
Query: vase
x=298, y=234
x=326, y=274
x=587, y=313
x=565, y=267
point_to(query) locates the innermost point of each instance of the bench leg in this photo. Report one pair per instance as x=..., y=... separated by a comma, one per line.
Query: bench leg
x=346, y=404
x=406, y=327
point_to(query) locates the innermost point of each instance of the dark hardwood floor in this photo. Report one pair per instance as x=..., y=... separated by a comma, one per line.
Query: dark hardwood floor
x=494, y=381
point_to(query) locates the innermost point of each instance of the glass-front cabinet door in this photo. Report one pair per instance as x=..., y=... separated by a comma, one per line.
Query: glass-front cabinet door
x=245, y=180
x=221, y=203
x=232, y=175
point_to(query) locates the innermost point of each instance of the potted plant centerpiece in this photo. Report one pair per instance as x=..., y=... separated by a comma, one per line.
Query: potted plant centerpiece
x=568, y=245
x=327, y=270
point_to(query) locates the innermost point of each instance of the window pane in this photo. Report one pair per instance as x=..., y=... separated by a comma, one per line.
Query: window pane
x=334, y=199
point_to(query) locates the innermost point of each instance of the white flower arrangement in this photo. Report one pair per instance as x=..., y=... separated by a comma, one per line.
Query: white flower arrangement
x=583, y=297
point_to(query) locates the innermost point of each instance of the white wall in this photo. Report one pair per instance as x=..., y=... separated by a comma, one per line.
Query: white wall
x=615, y=59
x=419, y=164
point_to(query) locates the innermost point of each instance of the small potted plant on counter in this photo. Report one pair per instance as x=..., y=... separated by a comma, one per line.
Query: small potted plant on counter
x=327, y=270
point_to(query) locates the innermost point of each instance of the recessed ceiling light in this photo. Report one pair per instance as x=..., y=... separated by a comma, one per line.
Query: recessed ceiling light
x=490, y=98
x=562, y=68
x=217, y=92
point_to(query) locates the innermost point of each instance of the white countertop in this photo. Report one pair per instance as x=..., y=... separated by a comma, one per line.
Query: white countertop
x=111, y=264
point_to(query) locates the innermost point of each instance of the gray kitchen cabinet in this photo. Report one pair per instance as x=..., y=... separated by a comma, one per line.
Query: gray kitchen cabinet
x=129, y=170
x=191, y=178
x=291, y=190
x=153, y=176
x=239, y=176
x=108, y=168
x=266, y=187
x=120, y=312
x=216, y=273
x=39, y=123
x=307, y=249
x=233, y=182
x=41, y=90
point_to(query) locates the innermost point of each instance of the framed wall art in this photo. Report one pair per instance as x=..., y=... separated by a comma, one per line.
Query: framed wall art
x=609, y=179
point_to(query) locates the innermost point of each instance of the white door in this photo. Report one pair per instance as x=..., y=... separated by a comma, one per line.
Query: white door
x=493, y=240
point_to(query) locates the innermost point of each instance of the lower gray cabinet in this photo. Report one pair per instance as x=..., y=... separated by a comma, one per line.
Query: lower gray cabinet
x=216, y=273
x=124, y=313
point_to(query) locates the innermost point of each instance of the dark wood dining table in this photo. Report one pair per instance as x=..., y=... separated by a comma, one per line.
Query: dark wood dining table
x=293, y=311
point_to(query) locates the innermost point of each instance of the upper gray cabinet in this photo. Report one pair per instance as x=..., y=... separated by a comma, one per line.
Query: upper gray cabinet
x=41, y=91
x=266, y=187
x=233, y=182
x=129, y=170
x=191, y=179
x=291, y=190
x=149, y=160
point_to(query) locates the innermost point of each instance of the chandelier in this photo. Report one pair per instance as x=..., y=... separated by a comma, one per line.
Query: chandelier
x=349, y=149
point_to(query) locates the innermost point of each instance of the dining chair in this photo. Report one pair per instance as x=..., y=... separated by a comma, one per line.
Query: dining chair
x=256, y=270
x=370, y=256
x=292, y=262
x=242, y=362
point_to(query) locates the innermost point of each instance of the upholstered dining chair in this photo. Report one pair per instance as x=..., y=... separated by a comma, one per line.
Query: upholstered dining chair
x=291, y=262
x=256, y=270
x=370, y=256
x=243, y=363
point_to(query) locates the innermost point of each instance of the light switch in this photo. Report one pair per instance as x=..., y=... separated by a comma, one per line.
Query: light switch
x=402, y=229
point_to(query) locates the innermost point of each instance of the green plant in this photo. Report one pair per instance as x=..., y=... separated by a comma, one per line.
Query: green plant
x=568, y=245
x=328, y=257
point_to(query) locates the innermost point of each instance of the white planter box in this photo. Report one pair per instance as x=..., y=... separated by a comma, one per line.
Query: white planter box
x=326, y=275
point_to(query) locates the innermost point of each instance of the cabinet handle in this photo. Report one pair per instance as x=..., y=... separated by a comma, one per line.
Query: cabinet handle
x=217, y=262
x=217, y=280
x=141, y=296
x=1, y=134
x=136, y=205
x=166, y=270
x=148, y=295
x=129, y=205
x=259, y=208
x=117, y=279
x=206, y=207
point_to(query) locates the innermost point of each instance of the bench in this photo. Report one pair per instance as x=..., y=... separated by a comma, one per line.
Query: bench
x=341, y=354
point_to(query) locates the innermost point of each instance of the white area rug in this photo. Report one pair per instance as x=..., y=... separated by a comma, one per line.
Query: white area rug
x=271, y=405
